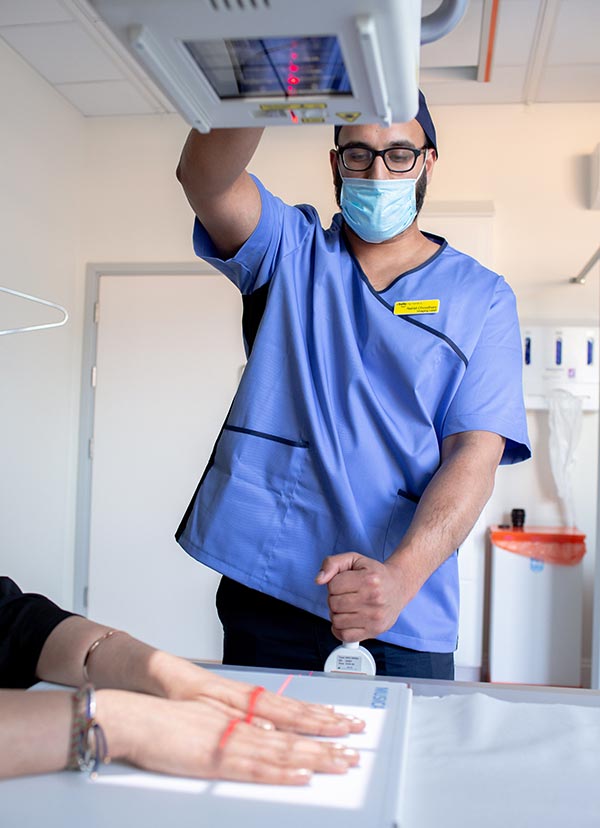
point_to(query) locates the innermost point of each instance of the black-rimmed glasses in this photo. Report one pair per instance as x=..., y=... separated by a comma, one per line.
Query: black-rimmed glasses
x=397, y=159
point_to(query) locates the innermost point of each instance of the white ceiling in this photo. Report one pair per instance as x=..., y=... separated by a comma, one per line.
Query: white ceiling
x=544, y=51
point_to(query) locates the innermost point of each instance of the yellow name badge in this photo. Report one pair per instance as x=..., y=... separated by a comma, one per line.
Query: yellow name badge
x=416, y=308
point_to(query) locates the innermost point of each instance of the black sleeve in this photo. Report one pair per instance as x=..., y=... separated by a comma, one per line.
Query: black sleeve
x=26, y=621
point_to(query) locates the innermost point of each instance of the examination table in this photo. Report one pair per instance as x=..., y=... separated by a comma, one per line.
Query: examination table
x=434, y=753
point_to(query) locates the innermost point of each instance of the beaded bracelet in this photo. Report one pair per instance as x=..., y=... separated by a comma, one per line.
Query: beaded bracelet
x=87, y=746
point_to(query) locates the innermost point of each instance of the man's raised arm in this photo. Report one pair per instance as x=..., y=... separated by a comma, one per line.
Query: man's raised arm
x=212, y=171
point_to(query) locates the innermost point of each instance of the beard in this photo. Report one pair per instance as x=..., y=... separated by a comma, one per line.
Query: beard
x=420, y=190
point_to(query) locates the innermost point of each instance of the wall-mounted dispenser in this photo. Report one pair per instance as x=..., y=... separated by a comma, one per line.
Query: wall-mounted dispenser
x=565, y=357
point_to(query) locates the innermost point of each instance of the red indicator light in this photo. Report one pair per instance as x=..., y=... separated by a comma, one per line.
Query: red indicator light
x=294, y=117
x=294, y=56
x=293, y=80
x=293, y=67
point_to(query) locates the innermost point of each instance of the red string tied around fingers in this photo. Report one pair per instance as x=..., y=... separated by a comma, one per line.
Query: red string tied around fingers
x=233, y=723
x=252, y=703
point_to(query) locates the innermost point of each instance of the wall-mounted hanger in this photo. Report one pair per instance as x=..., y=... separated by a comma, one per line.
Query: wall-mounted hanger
x=580, y=278
x=38, y=301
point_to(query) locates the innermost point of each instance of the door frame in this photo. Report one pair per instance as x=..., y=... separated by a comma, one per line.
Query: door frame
x=94, y=272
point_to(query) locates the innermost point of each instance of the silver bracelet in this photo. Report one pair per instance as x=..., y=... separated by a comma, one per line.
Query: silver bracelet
x=87, y=746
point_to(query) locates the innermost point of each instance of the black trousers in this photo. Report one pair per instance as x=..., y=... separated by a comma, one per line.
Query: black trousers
x=261, y=631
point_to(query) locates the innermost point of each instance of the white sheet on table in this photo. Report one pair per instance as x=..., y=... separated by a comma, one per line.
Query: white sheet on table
x=478, y=762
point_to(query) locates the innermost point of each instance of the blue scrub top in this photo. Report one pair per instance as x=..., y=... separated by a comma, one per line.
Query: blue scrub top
x=336, y=427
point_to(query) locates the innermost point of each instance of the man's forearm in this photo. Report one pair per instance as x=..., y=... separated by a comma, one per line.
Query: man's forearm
x=367, y=596
x=449, y=508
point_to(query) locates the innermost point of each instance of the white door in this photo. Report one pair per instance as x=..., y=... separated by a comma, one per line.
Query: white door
x=169, y=355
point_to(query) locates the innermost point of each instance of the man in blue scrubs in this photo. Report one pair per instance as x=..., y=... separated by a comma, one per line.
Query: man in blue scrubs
x=382, y=389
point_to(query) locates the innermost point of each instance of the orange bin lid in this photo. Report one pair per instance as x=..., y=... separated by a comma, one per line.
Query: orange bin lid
x=559, y=545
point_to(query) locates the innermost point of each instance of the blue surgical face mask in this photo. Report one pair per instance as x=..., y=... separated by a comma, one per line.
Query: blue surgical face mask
x=379, y=209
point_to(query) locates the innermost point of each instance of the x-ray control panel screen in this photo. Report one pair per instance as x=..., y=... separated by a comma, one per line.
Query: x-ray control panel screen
x=272, y=66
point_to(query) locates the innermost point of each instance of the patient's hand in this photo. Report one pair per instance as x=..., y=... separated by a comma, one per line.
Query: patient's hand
x=189, y=738
x=184, y=680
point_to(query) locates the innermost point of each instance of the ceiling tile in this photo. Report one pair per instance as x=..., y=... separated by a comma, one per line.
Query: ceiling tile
x=61, y=52
x=17, y=12
x=507, y=87
x=576, y=35
x=517, y=21
x=570, y=84
x=107, y=98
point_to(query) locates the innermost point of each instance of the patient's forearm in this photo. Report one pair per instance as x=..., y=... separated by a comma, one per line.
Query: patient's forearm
x=178, y=737
x=34, y=732
x=120, y=662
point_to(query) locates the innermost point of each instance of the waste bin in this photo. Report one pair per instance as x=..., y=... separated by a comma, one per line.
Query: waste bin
x=536, y=605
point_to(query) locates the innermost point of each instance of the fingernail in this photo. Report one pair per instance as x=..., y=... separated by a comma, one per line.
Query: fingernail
x=338, y=762
x=353, y=719
x=304, y=773
x=350, y=753
x=265, y=725
x=320, y=574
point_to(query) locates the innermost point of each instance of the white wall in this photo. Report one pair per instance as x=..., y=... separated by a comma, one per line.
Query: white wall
x=41, y=152
x=530, y=161
x=104, y=190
